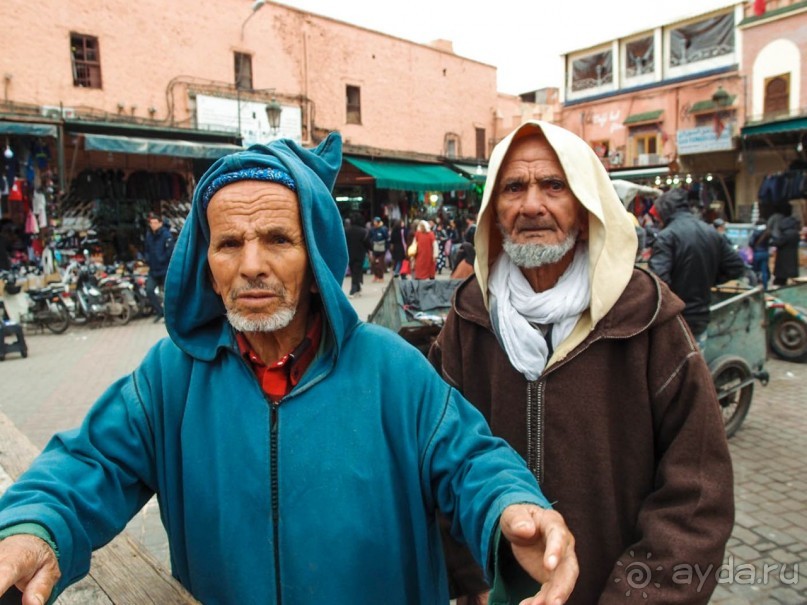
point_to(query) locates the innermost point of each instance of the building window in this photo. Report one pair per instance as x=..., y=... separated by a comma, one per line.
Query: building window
x=86, y=61
x=480, y=143
x=639, y=57
x=353, y=96
x=243, y=71
x=592, y=71
x=777, y=95
x=644, y=147
x=451, y=145
x=702, y=40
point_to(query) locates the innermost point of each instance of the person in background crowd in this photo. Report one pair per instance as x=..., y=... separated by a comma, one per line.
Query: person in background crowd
x=399, y=236
x=159, y=247
x=759, y=242
x=465, y=262
x=583, y=363
x=470, y=229
x=441, y=237
x=425, y=265
x=379, y=242
x=455, y=239
x=691, y=257
x=785, y=238
x=284, y=471
x=358, y=245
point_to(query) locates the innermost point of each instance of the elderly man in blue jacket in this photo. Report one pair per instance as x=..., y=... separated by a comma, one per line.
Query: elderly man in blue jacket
x=286, y=468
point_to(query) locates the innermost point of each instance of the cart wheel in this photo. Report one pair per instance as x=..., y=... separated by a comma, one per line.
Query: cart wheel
x=729, y=373
x=789, y=338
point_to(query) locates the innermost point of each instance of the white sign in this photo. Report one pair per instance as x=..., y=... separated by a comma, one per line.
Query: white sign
x=219, y=113
x=705, y=139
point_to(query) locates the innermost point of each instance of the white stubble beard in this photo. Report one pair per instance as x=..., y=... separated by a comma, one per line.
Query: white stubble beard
x=272, y=323
x=529, y=256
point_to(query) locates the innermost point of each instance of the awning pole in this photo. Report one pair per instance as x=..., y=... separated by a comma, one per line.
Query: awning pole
x=60, y=155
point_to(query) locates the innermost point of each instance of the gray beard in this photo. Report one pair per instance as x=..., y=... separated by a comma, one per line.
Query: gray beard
x=276, y=321
x=529, y=256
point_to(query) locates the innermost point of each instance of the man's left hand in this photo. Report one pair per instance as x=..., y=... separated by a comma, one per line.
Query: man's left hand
x=544, y=547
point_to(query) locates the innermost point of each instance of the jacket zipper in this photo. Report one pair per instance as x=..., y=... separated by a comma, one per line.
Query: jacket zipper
x=535, y=429
x=275, y=483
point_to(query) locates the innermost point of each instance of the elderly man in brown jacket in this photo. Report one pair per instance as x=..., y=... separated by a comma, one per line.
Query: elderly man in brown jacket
x=585, y=365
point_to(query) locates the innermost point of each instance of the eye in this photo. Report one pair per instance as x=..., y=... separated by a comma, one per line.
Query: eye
x=555, y=185
x=513, y=186
x=279, y=239
x=227, y=243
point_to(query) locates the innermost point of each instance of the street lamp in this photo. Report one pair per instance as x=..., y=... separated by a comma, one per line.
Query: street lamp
x=273, y=110
x=255, y=7
x=721, y=98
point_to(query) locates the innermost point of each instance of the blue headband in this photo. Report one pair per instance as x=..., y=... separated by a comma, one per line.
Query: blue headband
x=272, y=175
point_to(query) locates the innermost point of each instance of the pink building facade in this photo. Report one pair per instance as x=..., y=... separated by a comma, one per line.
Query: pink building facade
x=663, y=106
x=713, y=103
x=118, y=88
x=774, y=136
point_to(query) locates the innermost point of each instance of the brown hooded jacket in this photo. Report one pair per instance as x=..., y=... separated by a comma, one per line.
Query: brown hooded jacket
x=622, y=429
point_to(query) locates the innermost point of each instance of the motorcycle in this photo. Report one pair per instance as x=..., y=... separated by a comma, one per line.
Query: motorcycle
x=117, y=289
x=40, y=307
x=90, y=303
x=138, y=281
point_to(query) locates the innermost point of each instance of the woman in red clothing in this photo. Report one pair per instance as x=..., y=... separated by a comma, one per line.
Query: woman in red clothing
x=425, y=266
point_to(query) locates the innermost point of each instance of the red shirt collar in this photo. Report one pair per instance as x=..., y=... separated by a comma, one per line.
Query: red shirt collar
x=279, y=378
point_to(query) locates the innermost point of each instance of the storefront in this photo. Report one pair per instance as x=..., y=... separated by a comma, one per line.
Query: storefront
x=396, y=189
x=116, y=174
x=28, y=184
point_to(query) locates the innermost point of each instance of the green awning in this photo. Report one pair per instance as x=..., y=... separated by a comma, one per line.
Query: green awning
x=639, y=173
x=140, y=146
x=409, y=176
x=476, y=172
x=28, y=128
x=648, y=116
x=709, y=105
x=791, y=125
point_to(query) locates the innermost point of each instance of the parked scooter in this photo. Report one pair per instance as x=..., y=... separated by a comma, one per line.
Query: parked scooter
x=138, y=281
x=90, y=303
x=118, y=289
x=41, y=307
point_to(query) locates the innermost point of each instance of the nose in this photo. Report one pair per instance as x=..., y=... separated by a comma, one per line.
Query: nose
x=534, y=201
x=253, y=263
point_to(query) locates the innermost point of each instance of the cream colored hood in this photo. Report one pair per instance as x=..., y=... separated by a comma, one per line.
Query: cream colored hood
x=612, y=237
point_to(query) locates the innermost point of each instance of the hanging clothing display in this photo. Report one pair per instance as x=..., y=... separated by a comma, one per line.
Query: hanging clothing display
x=782, y=187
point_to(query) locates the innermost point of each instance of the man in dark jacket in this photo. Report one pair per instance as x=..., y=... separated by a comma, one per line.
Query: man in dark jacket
x=786, y=241
x=691, y=257
x=358, y=244
x=583, y=363
x=159, y=246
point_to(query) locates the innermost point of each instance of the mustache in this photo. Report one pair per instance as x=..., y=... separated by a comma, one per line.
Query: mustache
x=528, y=223
x=273, y=288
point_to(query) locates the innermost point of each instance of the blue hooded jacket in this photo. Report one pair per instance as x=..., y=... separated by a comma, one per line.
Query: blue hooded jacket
x=328, y=496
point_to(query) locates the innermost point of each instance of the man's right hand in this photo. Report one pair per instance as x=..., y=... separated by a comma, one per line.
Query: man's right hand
x=28, y=563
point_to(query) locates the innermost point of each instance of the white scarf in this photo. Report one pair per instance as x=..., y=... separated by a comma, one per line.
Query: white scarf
x=515, y=306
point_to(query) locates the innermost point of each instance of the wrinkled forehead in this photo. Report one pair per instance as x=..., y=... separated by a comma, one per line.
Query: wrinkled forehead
x=531, y=146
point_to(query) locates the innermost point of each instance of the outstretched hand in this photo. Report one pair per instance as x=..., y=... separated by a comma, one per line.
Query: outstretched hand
x=544, y=547
x=28, y=563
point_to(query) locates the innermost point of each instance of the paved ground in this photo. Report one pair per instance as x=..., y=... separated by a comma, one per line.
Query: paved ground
x=767, y=555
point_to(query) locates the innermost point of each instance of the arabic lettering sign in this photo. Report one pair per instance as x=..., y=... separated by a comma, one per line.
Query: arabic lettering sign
x=704, y=139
